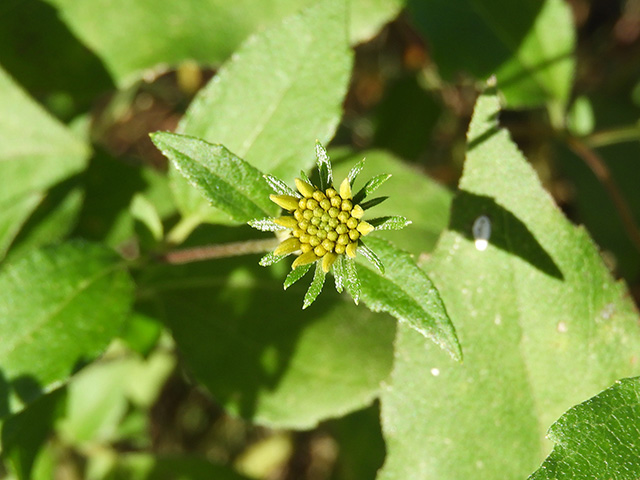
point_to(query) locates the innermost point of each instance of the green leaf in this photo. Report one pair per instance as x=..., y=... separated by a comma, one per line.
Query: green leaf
x=36, y=152
x=296, y=274
x=528, y=45
x=207, y=31
x=316, y=286
x=228, y=182
x=542, y=322
x=249, y=344
x=59, y=307
x=598, y=438
x=280, y=92
x=407, y=293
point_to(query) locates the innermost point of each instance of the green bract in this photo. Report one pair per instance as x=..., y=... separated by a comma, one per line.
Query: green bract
x=325, y=226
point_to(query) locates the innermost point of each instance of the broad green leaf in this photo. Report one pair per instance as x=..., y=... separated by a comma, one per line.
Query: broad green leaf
x=407, y=293
x=59, y=308
x=280, y=92
x=248, y=342
x=208, y=31
x=528, y=44
x=36, y=152
x=411, y=194
x=542, y=324
x=598, y=438
x=226, y=181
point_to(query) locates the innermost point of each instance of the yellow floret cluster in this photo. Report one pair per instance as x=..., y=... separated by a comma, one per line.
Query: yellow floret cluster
x=324, y=224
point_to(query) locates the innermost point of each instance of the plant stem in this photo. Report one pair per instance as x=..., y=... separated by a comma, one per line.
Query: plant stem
x=183, y=229
x=224, y=250
x=612, y=136
x=602, y=172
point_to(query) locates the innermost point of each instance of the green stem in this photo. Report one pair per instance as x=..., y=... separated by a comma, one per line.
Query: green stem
x=183, y=229
x=208, y=252
x=612, y=136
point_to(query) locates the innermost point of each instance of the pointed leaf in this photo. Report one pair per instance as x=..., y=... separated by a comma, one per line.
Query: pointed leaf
x=59, y=307
x=316, y=286
x=296, y=274
x=407, y=293
x=228, y=182
x=543, y=326
x=598, y=438
x=282, y=90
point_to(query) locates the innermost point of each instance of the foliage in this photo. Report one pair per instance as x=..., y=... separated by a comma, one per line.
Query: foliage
x=474, y=330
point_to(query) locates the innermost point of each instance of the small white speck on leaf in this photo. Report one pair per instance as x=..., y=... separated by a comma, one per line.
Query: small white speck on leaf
x=481, y=232
x=435, y=372
x=562, y=327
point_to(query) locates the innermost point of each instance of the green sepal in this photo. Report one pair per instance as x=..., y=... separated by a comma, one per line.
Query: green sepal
x=395, y=222
x=305, y=177
x=279, y=186
x=338, y=274
x=265, y=225
x=372, y=203
x=296, y=274
x=316, y=286
x=270, y=258
x=370, y=187
x=324, y=167
x=371, y=256
x=352, y=280
x=353, y=173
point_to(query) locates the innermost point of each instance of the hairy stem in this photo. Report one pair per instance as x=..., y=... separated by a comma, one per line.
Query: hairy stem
x=208, y=252
x=602, y=172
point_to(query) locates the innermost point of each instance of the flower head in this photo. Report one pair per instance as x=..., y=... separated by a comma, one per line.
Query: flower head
x=326, y=226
